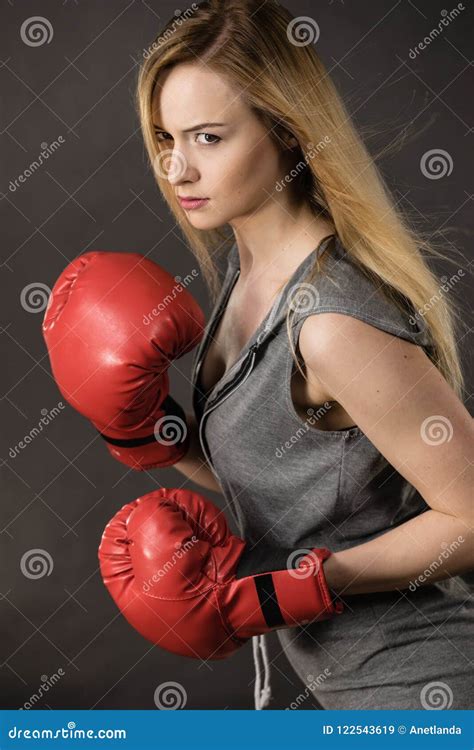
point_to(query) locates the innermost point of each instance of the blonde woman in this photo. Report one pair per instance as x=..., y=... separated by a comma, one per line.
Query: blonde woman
x=328, y=409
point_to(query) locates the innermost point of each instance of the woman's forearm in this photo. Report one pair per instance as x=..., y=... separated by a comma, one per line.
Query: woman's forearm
x=427, y=548
x=194, y=465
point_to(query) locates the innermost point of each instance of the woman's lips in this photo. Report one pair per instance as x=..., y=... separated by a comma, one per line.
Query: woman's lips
x=190, y=204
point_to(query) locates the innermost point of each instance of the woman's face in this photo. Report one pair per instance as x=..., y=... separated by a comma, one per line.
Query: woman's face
x=234, y=164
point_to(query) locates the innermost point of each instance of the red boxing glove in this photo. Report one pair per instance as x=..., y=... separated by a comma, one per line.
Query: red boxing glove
x=113, y=324
x=186, y=583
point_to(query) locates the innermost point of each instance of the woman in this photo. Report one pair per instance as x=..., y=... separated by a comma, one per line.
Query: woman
x=327, y=410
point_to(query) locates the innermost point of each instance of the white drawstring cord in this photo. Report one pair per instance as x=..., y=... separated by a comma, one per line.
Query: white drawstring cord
x=261, y=696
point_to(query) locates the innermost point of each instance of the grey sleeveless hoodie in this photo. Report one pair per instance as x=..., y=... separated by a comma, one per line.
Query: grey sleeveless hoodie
x=291, y=485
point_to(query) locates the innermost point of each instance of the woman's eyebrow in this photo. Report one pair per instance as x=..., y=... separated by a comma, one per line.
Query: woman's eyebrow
x=196, y=127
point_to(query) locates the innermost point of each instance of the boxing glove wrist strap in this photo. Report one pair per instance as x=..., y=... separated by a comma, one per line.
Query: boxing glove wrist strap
x=282, y=588
x=172, y=410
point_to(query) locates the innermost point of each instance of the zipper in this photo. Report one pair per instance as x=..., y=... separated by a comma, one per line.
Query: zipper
x=245, y=372
x=245, y=369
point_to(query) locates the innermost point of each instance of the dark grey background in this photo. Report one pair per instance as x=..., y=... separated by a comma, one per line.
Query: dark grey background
x=96, y=192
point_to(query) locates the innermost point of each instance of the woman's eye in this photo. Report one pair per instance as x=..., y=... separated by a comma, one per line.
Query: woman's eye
x=209, y=135
x=163, y=136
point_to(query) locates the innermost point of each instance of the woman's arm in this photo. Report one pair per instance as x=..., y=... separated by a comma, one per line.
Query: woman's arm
x=194, y=465
x=427, y=548
x=409, y=412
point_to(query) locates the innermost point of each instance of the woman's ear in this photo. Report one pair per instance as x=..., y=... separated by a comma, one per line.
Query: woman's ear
x=288, y=140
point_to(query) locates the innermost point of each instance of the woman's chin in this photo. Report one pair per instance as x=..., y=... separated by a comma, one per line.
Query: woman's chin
x=205, y=223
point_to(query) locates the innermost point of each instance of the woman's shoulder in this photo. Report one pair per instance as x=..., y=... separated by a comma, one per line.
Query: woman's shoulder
x=345, y=287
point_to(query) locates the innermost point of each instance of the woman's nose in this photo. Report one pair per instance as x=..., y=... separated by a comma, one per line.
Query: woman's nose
x=178, y=167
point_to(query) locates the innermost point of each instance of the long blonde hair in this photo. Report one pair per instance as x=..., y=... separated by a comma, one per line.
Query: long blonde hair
x=255, y=46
